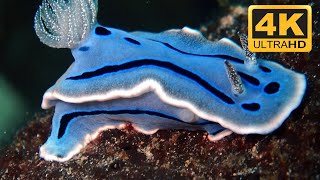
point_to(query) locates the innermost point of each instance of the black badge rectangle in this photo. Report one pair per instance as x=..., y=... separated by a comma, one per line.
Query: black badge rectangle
x=279, y=28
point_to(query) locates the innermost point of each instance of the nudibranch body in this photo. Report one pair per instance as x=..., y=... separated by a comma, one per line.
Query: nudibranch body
x=176, y=79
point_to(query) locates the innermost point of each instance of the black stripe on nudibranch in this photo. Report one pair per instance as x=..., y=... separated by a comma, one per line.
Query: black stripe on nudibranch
x=132, y=41
x=151, y=62
x=251, y=106
x=265, y=69
x=102, y=31
x=65, y=120
x=249, y=78
x=272, y=88
x=226, y=57
x=84, y=48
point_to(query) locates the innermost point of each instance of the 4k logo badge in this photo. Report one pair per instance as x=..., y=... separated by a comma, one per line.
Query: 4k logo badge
x=279, y=28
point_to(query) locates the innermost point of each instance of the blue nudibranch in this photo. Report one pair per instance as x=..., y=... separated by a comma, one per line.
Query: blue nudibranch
x=175, y=79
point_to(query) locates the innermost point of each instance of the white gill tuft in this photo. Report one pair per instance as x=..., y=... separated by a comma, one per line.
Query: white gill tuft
x=65, y=23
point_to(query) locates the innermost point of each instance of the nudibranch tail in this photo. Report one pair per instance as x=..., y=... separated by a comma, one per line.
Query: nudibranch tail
x=251, y=60
x=65, y=23
x=234, y=78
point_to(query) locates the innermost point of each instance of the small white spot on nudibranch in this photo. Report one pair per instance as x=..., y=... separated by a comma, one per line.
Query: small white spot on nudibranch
x=190, y=31
x=65, y=23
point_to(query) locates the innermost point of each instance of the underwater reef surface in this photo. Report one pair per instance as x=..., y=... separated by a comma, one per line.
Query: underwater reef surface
x=292, y=151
